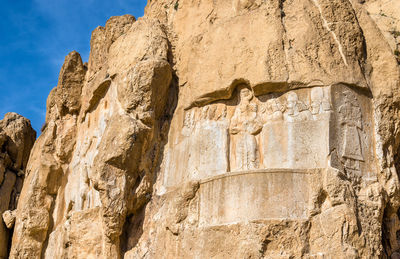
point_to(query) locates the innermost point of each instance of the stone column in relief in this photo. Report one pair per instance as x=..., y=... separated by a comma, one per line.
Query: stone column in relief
x=245, y=124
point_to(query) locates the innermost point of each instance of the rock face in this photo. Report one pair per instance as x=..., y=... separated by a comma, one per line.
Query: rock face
x=16, y=141
x=217, y=129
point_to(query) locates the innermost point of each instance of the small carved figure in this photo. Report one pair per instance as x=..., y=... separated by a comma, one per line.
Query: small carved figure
x=350, y=118
x=212, y=112
x=244, y=126
x=188, y=122
x=274, y=110
x=296, y=110
x=222, y=114
x=319, y=102
x=204, y=113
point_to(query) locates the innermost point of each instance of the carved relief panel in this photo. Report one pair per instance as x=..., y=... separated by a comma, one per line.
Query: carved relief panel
x=351, y=132
x=277, y=144
x=247, y=133
x=295, y=129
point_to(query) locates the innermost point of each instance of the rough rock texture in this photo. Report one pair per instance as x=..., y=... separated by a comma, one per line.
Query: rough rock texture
x=217, y=129
x=16, y=141
x=94, y=164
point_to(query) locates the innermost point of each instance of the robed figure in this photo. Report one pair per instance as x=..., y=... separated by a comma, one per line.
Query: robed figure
x=244, y=127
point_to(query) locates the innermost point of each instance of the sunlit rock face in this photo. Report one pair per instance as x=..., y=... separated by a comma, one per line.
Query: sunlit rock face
x=218, y=129
x=16, y=141
x=94, y=162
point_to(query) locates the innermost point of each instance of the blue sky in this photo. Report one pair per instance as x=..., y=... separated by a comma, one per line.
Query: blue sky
x=35, y=37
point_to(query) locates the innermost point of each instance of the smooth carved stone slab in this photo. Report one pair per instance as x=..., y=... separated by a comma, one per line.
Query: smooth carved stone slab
x=297, y=145
x=202, y=155
x=255, y=195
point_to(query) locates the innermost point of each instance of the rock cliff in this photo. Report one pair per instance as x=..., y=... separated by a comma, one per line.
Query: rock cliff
x=16, y=141
x=222, y=129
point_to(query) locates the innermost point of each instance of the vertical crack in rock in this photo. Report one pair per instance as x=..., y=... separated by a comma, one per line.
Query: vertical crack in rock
x=285, y=41
x=327, y=27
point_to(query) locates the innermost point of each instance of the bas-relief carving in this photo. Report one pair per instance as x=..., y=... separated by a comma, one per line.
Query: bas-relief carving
x=244, y=125
x=270, y=138
x=320, y=103
x=293, y=130
x=285, y=130
x=296, y=110
x=351, y=133
x=350, y=118
x=201, y=150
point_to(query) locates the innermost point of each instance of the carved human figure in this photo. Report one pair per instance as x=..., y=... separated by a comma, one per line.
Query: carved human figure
x=350, y=118
x=296, y=110
x=188, y=122
x=274, y=110
x=204, y=113
x=245, y=124
x=319, y=102
x=221, y=112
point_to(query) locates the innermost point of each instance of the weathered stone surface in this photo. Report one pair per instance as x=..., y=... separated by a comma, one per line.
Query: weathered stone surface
x=70, y=83
x=16, y=141
x=218, y=129
x=94, y=166
x=9, y=218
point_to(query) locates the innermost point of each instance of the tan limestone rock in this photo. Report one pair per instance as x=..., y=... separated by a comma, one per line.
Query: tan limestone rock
x=9, y=218
x=103, y=37
x=16, y=140
x=93, y=167
x=222, y=129
x=70, y=84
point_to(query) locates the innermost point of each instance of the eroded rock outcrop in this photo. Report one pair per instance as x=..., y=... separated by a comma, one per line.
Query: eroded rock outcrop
x=217, y=129
x=94, y=164
x=16, y=141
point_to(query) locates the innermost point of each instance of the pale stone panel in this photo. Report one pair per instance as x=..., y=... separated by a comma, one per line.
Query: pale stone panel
x=176, y=163
x=274, y=145
x=297, y=145
x=209, y=150
x=254, y=196
x=203, y=154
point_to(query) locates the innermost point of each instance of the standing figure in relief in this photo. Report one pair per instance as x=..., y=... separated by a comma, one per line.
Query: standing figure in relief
x=351, y=123
x=245, y=124
x=188, y=123
x=296, y=110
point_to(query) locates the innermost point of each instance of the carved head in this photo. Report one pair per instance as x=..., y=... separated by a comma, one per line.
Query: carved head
x=273, y=105
x=245, y=94
x=292, y=99
x=317, y=95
